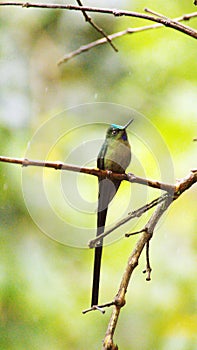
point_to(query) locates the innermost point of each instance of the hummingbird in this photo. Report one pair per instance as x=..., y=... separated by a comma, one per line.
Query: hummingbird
x=115, y=156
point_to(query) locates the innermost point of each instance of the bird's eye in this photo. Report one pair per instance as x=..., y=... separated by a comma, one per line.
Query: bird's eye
x=114, y=132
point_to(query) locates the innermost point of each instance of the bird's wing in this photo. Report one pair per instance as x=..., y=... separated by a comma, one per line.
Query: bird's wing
x=101, y=156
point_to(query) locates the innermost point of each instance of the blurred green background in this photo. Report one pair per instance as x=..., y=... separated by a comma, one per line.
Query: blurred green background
x=44, y=285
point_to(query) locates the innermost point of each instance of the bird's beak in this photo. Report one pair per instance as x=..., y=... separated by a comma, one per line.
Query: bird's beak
x=126, y=126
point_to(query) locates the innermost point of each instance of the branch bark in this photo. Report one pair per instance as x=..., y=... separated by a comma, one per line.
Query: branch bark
x=152, y=16
x=173, y=191
x=115, y=12
x=95, y=26
x=119, y=300
x=89, y=171
x=163, y=202
x=113, y=36
x=136, y=213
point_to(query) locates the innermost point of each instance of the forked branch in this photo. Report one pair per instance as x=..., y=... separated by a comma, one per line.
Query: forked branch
x=150, y=16
x=147, y=233
x=117, y=35
x=173, y=192
x=95, y=26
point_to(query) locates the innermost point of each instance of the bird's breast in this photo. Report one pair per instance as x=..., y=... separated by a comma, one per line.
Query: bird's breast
x=117, y=157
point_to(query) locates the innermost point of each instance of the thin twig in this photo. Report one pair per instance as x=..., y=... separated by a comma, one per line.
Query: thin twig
x=155, y=184
x=165, y=201
x=95, y=26
x=98, y=307
x=148, y=267
x=117, y=13
x=134, y=233
x=119, y=301
x=85, y=48
x=181, y=186
x=120, y=297
x=154, y=13
x=136, y=213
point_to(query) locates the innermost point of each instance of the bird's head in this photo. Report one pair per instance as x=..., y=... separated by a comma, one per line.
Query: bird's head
x=118, y=132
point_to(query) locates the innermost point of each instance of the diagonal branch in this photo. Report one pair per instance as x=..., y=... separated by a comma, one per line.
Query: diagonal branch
x=136, y=213
x=119, y=300
x=162, y=203
x=154, y=16
x=113, y=36
x=117, y=13
x=132, y=263
x=95, y=26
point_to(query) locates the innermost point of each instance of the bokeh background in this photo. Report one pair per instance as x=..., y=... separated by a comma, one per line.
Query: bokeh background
x=44, y=285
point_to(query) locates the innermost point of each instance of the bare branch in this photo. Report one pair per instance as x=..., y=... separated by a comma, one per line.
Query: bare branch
x=154, y=13
x=95, y=26
x=132, y=263
x=155, y=17
x=134, y=233
x=117, y=13
x=119, y=300
x=136, y=213
x=163, y=202
x=179, y=188
x=98, y=307
x=90, y=171
x=148, y=267
x=127, y=31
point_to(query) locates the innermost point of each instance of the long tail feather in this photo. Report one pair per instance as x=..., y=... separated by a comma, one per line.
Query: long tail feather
x=107, y=190
x=101, y=218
